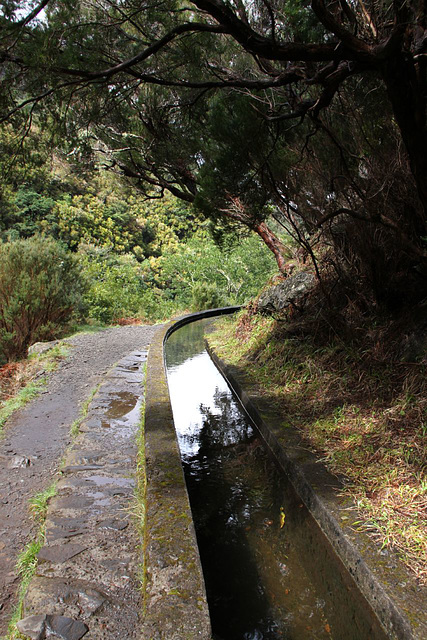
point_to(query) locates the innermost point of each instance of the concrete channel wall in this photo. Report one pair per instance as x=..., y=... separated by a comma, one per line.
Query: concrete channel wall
x=175, y=598
x=399, y=605
x=176, y=606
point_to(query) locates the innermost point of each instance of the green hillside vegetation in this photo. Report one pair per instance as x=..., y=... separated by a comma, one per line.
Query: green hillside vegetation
x=133, y=258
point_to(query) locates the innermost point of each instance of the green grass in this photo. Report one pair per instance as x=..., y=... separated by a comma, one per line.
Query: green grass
x=55, y=353
x=24, y=395
x=34, y=365
x=27, y=560
x=39, y=503
x=50, y=359
x=75, y=427
x=26, y=566
x=87, y=328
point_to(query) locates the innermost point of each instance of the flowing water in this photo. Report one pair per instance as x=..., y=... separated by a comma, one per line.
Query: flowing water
x=269, y=573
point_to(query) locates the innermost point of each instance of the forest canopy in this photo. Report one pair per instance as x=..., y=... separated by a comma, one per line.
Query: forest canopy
x=313, y=113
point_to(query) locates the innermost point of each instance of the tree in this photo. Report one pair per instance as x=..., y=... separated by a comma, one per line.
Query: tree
x=295, y=63
x=350, y=40
x=181, y=153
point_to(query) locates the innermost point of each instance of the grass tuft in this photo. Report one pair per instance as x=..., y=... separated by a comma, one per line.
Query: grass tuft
x=39, y=503
x=21, y=382
x=26, y=566
x=75, y=427
x=22, y=397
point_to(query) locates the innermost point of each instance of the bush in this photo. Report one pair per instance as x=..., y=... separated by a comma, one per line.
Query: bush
x=198, y=274
x=206, y=295
x=40, y=290
x=155, y=307
x=115, y=284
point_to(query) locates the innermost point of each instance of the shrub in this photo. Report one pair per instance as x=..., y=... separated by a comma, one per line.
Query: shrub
x=200, y=275
x=40, y=289
x=115, y=284
x=206, y=295
x=155, y=307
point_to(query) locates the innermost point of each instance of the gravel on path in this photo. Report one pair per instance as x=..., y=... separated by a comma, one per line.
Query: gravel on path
x=37, y=435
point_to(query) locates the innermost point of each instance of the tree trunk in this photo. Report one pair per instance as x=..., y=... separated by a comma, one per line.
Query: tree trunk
x=408, y=104
x=237, y=211
x=273, y=243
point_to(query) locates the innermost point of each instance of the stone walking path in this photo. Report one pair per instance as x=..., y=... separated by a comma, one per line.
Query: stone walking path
x=88, y=576
x=36, y=438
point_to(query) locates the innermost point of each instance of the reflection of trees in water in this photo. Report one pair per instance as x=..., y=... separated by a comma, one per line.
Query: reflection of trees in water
x=226, y=426
x=222, y=430
x=256, y=584
x=236, y=493
x=186, y=342
x=244, y=458
x=230, y=452
x=221, y=426
x=222, y=505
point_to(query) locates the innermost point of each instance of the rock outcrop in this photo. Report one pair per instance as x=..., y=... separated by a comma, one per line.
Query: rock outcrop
x=291, y=291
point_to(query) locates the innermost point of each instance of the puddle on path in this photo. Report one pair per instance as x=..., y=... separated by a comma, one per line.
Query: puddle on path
x=121, y=405
x=121, y=412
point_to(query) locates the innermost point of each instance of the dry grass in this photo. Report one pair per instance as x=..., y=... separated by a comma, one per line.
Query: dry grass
x=125, y=322
x=363, y=412
x=13, y=376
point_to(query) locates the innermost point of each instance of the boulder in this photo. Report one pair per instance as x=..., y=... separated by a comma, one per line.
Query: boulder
x=41, y=347
x=39, y=627
x=293, y=290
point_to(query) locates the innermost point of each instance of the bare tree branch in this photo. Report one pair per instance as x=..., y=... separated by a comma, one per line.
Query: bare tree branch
x=35, y=12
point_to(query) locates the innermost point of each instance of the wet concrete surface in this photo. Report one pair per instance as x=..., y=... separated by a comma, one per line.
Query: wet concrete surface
x=89, y=568
x=36, y=437
x=175, y=606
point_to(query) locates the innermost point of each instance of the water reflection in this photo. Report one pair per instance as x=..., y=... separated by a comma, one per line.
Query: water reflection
x=264, y=581
x=219, y=482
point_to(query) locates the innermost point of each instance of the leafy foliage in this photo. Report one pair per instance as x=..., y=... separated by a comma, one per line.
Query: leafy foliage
x=246, y=111
x=96, y=211
x=40, y=290
x=32, y=214
x=235, y=274
x=104, y=222
x=194, y=275
x=141, y=258
x=115, y=284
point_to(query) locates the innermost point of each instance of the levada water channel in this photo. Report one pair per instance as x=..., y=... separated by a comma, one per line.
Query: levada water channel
x=269, y=571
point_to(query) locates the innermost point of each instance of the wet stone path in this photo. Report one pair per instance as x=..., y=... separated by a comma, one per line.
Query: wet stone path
x=36, y=437
x=87, y=578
